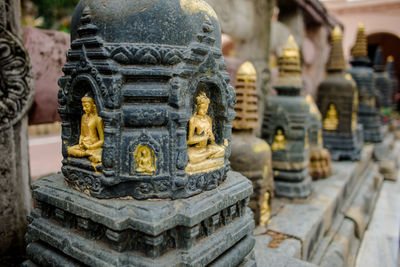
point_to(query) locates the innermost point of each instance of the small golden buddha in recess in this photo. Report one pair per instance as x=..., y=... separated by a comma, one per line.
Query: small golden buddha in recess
x=92, y=133
x=144, y=160
x=331, y=120
x=279, y=141
x=202, y=149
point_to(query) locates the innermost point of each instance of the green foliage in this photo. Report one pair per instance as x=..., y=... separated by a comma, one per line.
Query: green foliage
x=54, y=11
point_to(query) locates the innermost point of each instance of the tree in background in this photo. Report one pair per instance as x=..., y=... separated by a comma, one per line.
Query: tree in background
x=48, y=14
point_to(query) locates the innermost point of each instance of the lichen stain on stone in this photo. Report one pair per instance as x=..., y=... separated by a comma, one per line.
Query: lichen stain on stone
x=196, y=6
x=277, y=238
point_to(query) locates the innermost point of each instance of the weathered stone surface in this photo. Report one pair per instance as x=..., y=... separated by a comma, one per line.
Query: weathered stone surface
x=191, y=232
x=16, y=95
x=47, y=49
x=145, y=87
x=251, y=156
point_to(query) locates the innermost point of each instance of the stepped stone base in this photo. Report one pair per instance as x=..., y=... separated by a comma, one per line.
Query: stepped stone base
x=70, y=228
x=344, y=147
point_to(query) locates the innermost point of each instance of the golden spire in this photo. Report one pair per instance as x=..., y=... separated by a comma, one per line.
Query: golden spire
x=246, y=107
x=360, y=47
x=336, y=57
x=289, y=64
x=390, y=59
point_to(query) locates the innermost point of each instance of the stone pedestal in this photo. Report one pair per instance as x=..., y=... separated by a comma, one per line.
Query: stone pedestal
x=71, y=228
x=251, y=156
x=344, y=146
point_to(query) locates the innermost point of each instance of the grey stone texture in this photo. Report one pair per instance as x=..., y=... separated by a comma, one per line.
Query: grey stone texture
x=214, y=227
x=144, y=70
x=368, y=114
x=380, y=245
x=16, y=95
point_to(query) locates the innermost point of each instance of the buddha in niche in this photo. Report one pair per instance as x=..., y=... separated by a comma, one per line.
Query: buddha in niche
x=202, y=149
x=331, y=120
x=91, y=138
x=279, y=141
x=144, y=160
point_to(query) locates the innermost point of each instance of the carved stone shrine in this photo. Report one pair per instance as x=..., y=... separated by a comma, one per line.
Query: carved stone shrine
x=394, y=83
x=251, y=156
x=382, y=85
x=337, y=100
x=285, y=128
x=146, y=130
x=363, y=75
x=320, y=158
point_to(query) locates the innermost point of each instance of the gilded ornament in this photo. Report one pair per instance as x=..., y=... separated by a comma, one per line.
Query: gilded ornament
x=336, y=60
x=265, y=210
x=331, y=119
x=91, y=138
x=279, y=141
x=246, y=98
x=289, y=65
x=145, y=160
x=360, y=47
x=204, y=154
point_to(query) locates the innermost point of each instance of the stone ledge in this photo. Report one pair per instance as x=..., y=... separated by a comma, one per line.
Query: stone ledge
x=152, y=216
x=314, y=226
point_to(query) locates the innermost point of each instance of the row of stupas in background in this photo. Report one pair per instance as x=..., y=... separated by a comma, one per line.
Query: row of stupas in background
x=302, y=135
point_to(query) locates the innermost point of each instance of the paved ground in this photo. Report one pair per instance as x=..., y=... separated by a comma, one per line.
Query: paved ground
x=45, y=155
x=380, y=245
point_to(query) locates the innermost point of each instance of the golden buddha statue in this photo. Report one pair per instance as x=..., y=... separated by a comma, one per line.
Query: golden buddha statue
x=279, y=141
x=204, y=154
x=92, y=133
x=144, y=160
x=331, y=120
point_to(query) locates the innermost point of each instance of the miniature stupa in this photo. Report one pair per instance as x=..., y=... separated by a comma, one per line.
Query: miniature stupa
x=337, y=101
x=285, y=127
x=363, y=75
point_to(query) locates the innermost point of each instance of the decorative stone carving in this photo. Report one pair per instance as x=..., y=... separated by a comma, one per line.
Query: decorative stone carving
x=141, y=84
x=16, y=79
x=363, y=75
x=285, y=128
x=158, y=81
x=320, y=158
x=16, y=95
x=337, y=100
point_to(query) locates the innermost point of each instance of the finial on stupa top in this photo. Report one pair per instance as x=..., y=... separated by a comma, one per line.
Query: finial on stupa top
x=289, y=64
x=360, y=47
x=247, y=70
x=390, y=59
x=336, y=60
x=246, y=107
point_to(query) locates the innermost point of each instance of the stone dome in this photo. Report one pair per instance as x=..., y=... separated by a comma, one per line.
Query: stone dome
x=170, y=22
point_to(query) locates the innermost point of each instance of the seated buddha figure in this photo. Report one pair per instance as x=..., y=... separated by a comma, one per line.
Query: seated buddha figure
x=92, y=133
x=144, y=160
x=331, y=120
x=279, y=141
x=201, y=140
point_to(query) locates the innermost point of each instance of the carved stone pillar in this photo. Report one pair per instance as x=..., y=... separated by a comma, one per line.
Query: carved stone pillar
x=16, y=94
